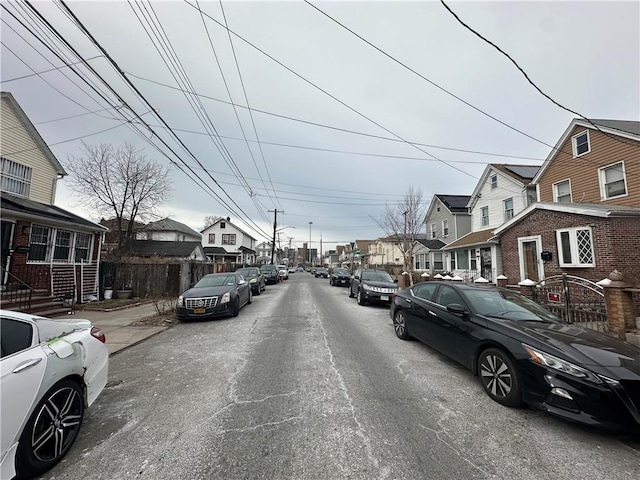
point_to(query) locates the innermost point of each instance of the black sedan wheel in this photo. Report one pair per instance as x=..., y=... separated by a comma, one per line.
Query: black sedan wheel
x=236, y=307
x=360, y=298
x=500, y=378
x=258, y=291
x=250, y=297
x=350, y=293
x=52, y=429
x=400, y=325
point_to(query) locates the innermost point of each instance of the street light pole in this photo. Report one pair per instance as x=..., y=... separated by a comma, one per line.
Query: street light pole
x=310, y=264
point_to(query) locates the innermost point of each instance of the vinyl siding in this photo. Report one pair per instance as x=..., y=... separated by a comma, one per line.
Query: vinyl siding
x=14, y=137
x=583, y=170
x=494, y=198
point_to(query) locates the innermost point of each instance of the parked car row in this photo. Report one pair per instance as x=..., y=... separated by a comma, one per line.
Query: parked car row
x=522, y=353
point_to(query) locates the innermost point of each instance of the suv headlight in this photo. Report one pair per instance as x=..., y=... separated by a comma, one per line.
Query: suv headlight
x=563, y=366
x=226, y=298
x=180, y=301
x=253, y=280
x=366, y=287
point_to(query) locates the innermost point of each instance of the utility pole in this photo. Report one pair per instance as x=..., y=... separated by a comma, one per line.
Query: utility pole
x=275, y=223
x=321, y=261
x=289, y=256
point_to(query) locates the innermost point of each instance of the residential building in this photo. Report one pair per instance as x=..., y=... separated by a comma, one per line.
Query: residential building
x=43, y=246
x=501, y=193
x=167, y=230
x=593, y=165
x=225, y=243
x=448, y=218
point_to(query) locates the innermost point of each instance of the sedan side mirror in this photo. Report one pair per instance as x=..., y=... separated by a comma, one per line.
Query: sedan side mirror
x=457, y=309
x=242, y=282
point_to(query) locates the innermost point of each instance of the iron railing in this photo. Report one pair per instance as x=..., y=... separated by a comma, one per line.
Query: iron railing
x=16, y=294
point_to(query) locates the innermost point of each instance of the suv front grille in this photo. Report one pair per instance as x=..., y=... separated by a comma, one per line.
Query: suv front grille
x=204, y=302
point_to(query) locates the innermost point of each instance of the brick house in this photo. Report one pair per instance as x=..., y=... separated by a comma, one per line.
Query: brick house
x=44, y=247
x=584, y=240
x=588, y=218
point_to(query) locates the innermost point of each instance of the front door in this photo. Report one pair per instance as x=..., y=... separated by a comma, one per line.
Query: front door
x=529, y=260
x=485, y=264
x=7, y=243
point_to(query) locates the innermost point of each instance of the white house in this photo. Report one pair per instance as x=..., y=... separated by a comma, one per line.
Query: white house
x=224, y=242
x=168, y=230
x=502, y=192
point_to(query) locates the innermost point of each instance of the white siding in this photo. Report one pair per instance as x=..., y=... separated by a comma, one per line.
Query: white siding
x=494, y=198
x=16, y=138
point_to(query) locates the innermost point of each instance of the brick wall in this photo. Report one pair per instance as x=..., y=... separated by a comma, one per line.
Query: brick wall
x=616, y=243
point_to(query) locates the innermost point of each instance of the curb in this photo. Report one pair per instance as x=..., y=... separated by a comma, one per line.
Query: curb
x=139, y=341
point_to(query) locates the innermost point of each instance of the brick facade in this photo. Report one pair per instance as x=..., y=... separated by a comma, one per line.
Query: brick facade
x=616, y=244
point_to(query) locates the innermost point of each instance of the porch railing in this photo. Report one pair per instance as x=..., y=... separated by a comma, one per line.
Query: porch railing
x=16, y=294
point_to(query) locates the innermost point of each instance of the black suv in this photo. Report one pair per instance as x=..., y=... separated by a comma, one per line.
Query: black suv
x=340, y=276
x=321, y=272
x=372, y=286
x=270, y=274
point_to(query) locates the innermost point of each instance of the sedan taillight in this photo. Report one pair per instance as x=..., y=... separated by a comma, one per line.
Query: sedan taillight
x=97, y=332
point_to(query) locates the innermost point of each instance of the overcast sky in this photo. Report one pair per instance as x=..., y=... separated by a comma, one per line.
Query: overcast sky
x=322, y=98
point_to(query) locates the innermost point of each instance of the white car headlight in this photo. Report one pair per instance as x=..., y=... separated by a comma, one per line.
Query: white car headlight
x=563, y=366
x=180, y=301
x=253, y=280
x=366, y=287
x=226, y=298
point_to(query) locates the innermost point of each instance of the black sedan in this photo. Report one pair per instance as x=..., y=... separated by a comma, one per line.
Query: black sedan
x=522, y=353
x=340, y=276
x=321, y=272
x=255, y=278
x=372, y=286
x=270, y=273
x=215, y=295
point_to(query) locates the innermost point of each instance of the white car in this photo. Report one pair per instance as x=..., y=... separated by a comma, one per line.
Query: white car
x=283, y=271
x=50, y=371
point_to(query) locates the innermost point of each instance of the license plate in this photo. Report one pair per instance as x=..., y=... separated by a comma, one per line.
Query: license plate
x=199, y=310
x=384, y=298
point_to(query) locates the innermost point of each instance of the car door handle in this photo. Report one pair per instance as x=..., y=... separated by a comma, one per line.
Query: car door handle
x=431, y=313
x=26, y=364
x=408, y=300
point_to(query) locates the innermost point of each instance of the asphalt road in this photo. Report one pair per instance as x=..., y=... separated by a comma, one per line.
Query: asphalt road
x=305, y=383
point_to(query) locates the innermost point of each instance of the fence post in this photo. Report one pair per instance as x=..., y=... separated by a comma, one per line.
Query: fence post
x=619, y=305
x=567, y=299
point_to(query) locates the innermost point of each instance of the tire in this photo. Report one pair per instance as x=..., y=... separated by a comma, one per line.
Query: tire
x=400, y=325
x=258, y=291
x=250, y=297
x=51, y=430
x=500, y=377
x=331, y=282
x=236, y=307
x=360, y=298
x=350, y=293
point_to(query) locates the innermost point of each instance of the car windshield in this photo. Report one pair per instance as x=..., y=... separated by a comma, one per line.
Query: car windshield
x=340, y=271
x=378, y=276
x=248, y=272
x=321, y=270
x=267, y=268
x=215, y=281
x=511, y=305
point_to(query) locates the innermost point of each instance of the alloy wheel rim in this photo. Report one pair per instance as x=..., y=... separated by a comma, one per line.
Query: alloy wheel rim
x=57, y=424
x=496, y=376
x=399, y=323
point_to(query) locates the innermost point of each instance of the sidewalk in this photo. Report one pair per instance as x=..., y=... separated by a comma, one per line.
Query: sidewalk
x=117, y=325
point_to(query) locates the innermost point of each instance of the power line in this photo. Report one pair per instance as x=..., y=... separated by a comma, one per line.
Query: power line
x=526, y=76
x=122, y=74
x=45, y=71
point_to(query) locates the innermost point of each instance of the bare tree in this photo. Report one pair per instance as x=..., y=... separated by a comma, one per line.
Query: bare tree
x=209, y=220
x=119, y=182
x=403, y=223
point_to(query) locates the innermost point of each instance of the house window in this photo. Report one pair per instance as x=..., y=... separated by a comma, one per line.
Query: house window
x=81, y=251
x=212, y=238
x=223, y=225
x=580, y=144
x=484, y=211
x=15, y=178
x=532, y=195
x=38, y=242
x=453, y=260
x=62, y=246
x=445, y=227
x=575, y=247
x=613, y=181
x=508, y=209
x=562, y=192
x=228, y=238
x=437, y=261
x=494, y=180
x=463, y=259
x=433, y=230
